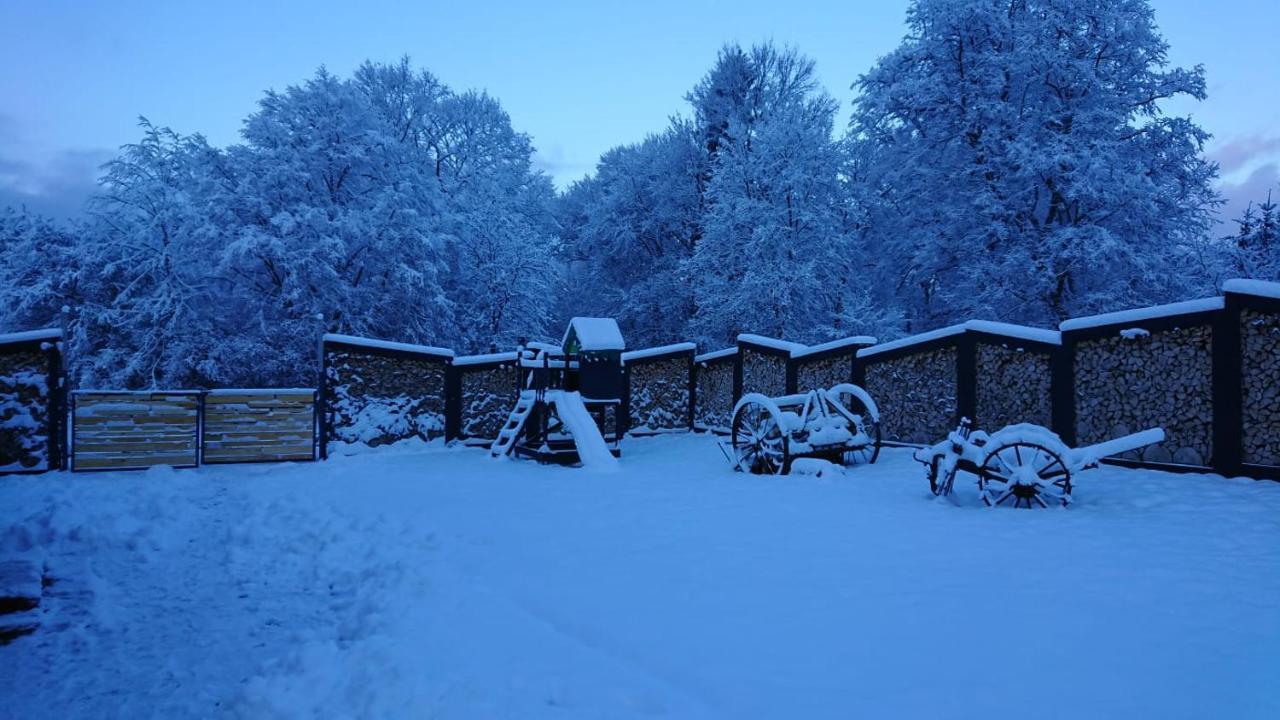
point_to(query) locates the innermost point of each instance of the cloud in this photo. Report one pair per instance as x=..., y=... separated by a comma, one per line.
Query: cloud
x=57, y=188
x=1241, y=150
x=1253, y=189
x=563, y=171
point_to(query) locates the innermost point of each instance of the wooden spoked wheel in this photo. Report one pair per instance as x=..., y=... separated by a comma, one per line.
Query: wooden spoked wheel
x=1024, y=474
x=759, y=442
x=863, y=424
x=864, y=454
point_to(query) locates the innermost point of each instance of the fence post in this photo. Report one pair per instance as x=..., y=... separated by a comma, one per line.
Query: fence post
x=452, y=402
x=1062, y=390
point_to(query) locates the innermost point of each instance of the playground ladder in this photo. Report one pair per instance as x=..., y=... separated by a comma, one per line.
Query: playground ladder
x=514, y=424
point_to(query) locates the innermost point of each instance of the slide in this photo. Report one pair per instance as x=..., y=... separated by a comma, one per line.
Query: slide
x=592, y=448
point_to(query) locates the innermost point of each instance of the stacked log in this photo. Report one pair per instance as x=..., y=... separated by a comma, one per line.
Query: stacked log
x=714, y=383
x=1260, y=387
x=916, y=394
x=1014, y=385
x=1134, y=380
x=488, y=394
x=660, y=394
x=24, y=410
x=379, y=399
x=764, y=373
x=823, y=373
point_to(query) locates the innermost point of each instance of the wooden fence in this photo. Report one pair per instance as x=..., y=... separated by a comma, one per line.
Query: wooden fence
x=1208, y=371
x=131, y=430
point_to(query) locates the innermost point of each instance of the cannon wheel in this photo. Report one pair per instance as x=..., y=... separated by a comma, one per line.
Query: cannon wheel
x=759, y=443
x=866, y=422
x=1024, y=474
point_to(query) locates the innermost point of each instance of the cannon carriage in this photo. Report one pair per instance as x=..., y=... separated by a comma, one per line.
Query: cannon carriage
x=840, y=424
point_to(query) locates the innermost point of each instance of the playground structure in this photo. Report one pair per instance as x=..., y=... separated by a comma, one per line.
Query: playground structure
x=840, y=424
x=570, y=398
x=1023, y=465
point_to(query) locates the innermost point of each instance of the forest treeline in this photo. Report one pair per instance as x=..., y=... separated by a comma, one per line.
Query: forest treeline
x=1008, y=160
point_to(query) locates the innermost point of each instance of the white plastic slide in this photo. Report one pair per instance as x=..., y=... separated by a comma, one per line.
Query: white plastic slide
x=592, y=448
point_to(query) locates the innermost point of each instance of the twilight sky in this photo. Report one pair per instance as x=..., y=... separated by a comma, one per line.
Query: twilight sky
x=578, y=76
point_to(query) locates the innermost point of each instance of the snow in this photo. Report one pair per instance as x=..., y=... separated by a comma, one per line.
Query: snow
x=1261, y=288
x=387, y=345
x=1146, y=313
x=592, y=449
x=1134, y=333
x=656, y=351
x=774, y=343
x=596, y=333
x=425, y=581
x=1021, y=332
x=485, y=359
x=834, y=345
x=716, y=355
x=911, y=340
x=30, y=335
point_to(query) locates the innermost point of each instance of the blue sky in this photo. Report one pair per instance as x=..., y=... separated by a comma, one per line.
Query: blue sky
x=579, y=77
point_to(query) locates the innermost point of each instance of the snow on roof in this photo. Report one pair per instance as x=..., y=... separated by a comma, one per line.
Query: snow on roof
x=1022, y=332
x=660, y=350
x=912, y=340
x=484, y=359
x=1261, y=288
x=387, y=345
x=835, y=345
x=716, y=354
x=1147, y=313
x=596, y=334
x=30, y=335
x=783, y=345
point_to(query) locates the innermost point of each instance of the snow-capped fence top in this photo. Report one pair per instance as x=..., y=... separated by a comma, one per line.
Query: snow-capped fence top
x=31, y=336
x=659, y=352
x=485, y=359
x=1137, y=315
x=386, y=345
x=716, y=355
x=985, y=327
x=856, y=341
x=783, y=346
x=1257, y=288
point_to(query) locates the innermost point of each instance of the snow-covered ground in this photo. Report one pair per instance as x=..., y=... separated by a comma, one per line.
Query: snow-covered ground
x=439, y=583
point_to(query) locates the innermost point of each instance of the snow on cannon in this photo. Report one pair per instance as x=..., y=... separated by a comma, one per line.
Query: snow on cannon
x=1020, y=465
x=840, y=425
x=569, y=398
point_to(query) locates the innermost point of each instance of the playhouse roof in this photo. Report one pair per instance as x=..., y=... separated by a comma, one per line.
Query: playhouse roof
x=595, y=334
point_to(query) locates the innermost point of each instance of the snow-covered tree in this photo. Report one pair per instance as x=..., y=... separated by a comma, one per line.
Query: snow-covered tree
x=775, y=256
x=40, y=273
x=383, y=205
x=148, y=268
x=1018, y=165
x=628, y=229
